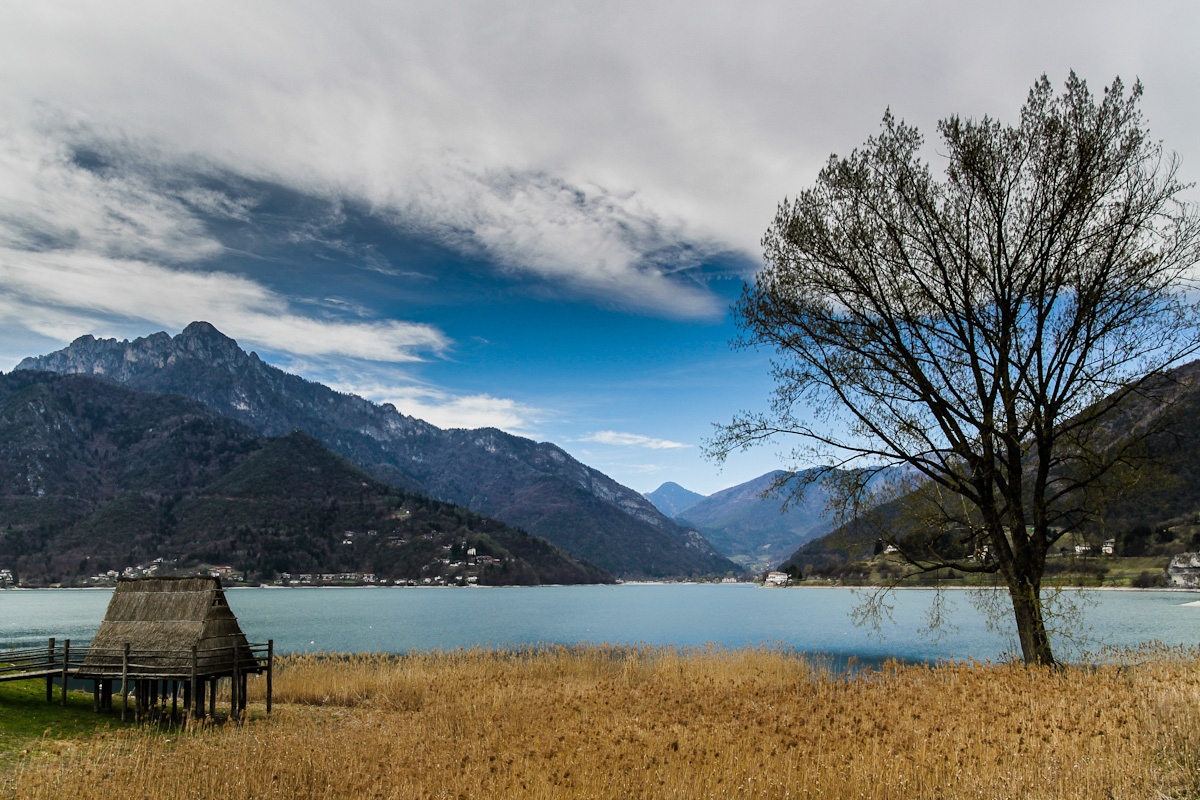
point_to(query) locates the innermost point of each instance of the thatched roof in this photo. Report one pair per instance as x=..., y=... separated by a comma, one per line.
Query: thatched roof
x=162, y=619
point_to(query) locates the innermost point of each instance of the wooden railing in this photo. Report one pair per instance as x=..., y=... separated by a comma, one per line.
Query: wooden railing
x=142, y=667
x=53, y=660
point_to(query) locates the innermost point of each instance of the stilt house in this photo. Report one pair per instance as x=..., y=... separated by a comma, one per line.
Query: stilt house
x=161, y=634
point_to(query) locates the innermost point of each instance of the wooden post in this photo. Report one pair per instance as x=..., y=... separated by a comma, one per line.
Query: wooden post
x=235, y=683
x=270, y=667
x=174, y=700
x=66, y=667
x=124, y=681
x=50, y=678
x=212, y=698
x=96, y=696
x=197, y=691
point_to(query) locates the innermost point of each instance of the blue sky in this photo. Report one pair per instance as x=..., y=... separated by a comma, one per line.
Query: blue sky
x=533, y=216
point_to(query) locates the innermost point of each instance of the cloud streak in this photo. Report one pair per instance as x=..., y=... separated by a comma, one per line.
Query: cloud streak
x=437, y=406
x=563, y=142
x=84, y=249
x=630, y=440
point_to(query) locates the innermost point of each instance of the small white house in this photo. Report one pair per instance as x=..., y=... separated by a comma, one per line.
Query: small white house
x=776, y=579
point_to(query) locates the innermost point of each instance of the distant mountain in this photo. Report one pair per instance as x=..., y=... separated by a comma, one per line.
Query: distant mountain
x=671, y=498
x=755, y=531
x=531, y=485
x=94, y=477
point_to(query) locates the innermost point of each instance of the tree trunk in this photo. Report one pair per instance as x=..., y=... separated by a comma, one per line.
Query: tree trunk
x=1031, y=626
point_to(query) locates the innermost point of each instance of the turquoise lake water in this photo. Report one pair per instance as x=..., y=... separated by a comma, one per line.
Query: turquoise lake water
x=818, y=620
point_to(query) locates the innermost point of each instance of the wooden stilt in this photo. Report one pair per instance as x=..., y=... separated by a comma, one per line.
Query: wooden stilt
x=49, y=665
x=196, y=691
x=270, y=669
x=65, y=669
x=124, y=681
x=235, y=683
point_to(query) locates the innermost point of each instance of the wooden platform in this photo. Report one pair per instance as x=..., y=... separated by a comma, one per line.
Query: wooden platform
x=152, y=676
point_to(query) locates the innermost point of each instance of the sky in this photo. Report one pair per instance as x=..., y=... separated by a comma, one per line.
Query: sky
x=527, y=215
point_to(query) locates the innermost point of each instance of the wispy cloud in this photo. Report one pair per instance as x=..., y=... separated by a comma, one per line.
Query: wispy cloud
x=88, y=250
x=437, y=406
x=630, y=440
x=75, y=291
x=558, y=140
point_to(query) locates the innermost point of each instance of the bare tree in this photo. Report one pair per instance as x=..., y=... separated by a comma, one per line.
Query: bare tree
x=985, y=331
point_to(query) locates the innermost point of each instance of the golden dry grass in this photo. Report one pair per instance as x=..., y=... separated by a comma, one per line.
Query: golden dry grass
x=646, y=722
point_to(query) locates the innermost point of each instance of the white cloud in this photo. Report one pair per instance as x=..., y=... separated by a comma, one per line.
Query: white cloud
x=436, y=406
x=68, y=293
x=467, y=411
x=47, y=201
x=87, y=251
x=582, y=144
x=630, y=440
x=707, y=117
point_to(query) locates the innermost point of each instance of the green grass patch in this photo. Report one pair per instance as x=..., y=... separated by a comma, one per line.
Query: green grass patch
x=27, y=721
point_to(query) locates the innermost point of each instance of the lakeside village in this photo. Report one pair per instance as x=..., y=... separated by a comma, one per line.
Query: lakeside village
x=444, y=571
x=1180, y=570
x=460, y=565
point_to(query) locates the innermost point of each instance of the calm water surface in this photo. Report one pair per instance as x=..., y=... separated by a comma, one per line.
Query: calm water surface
x=398, y=620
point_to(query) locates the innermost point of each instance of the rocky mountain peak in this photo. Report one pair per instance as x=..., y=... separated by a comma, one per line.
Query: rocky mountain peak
x=121, y=360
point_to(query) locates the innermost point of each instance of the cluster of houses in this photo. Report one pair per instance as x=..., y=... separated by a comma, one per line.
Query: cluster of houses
x=320, y=578
x=444, y=571
x=156, y=568
x=1108, y=548
x=458, y=565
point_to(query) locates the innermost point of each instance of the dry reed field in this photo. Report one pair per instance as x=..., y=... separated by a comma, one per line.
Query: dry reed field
x=605, y=722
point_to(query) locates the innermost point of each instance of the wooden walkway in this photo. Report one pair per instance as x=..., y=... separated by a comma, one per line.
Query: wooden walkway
x=151, y=676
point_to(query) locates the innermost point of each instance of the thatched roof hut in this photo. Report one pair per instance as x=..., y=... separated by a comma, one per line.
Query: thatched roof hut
x=162, y=619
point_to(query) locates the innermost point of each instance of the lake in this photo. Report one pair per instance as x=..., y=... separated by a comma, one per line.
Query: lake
x=817, y=620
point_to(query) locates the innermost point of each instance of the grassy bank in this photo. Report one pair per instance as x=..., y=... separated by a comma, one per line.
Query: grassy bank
x=29, y=724
x=621, y=723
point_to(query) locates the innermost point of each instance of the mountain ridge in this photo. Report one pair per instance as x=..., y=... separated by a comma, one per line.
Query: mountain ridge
x=533, y=485
x=95, y=477
x=757, y=532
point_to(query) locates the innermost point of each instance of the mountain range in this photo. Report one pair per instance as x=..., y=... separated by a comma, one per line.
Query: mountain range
x=97, y=477
x=535, y=486
x=1151, y=507
x=755, y=531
